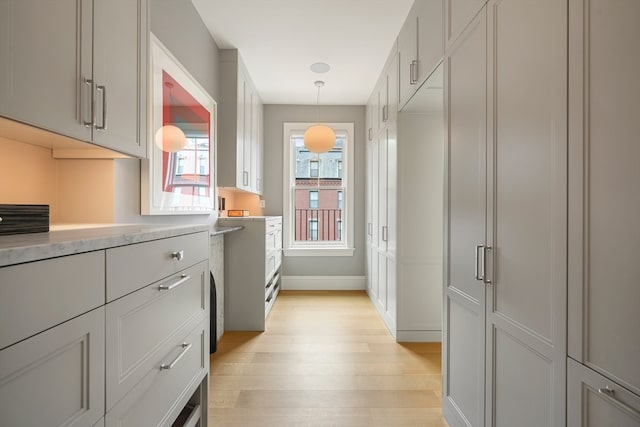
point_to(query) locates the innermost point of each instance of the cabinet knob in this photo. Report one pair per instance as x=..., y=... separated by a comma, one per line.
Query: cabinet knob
x=177, y=255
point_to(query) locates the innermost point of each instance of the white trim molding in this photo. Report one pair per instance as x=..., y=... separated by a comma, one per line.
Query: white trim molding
x=323, y=283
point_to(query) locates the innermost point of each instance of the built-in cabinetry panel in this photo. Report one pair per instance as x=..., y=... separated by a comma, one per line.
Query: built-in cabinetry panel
x=420, y=46
x=458, y=14
x=27, y=306
x=465, y=189
x=143, y=354
x=55, y=378
x=604, y=211
x=594, y=400
x=251, y=292
x=403, y=280
x=240, y=133
x=79, y=74
x=506, y=164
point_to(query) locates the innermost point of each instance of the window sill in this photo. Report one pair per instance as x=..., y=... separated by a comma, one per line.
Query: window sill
x=319, y=251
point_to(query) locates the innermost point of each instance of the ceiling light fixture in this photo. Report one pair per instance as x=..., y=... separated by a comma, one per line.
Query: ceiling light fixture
x=320, y=67
x=319, y=138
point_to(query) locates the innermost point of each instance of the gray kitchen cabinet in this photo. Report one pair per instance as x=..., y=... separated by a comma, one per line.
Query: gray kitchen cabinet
x=130, y=347
x=67, y=68
x=604, y=199
x=459, y=14
x=520, y=217
x=240, y=130
x=403, y=276
x=465, y=206
x=55, y=378
x=252, y=259
x=593, y=400
x=162, y=393
x=420, y=46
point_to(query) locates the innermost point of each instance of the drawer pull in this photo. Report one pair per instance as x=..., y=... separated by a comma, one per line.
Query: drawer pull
x=610, y=394
x=185, y=347
x=183, y=279
x=177, y=255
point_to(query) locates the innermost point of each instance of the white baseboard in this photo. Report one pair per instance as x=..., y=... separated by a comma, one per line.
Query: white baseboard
x=419, y=336
x=323, y=283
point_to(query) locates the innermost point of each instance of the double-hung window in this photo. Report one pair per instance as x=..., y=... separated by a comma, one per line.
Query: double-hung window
x=318, y=194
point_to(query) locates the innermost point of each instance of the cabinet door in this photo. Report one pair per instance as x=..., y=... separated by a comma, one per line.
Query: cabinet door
x=458, y=14
x=55, y=378
x=408, y=57
x=383, y=225
x=604, y=201
x=120, y=75
x=430, y=37
x=248, y=136
x=594, y=401
x=242, y=175
x=465, y=183
x=526, y=303
x=45, y=56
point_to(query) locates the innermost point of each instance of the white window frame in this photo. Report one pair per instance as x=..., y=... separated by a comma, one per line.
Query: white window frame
x=318, y=248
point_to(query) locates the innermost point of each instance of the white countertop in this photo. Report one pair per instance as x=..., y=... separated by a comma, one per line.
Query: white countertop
x=68, y=240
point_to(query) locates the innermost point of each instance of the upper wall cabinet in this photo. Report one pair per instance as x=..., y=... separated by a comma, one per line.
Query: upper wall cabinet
x=240, y=138
x=458, y=14
x=420, y=46
x=66, y=67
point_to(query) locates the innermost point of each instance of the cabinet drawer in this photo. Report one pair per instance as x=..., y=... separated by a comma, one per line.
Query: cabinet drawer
x=36, y=296
x=142, y=326
x=134, y=266
x=272, y=263
x=55, y=378
x=594, y=400
x=159, y=397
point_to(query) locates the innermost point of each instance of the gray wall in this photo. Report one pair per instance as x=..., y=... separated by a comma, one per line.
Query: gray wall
x=274, y=118
x=179, y=27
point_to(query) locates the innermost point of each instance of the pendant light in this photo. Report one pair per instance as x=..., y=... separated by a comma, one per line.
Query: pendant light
x=319, y=138
x=170, y=138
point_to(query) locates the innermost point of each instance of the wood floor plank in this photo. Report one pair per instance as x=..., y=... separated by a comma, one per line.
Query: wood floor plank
x=326, y=359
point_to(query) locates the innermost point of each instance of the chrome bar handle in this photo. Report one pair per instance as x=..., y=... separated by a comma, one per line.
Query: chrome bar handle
x=610, y=394
x=177, y=255
x=185, y=347
x=183, y=279
x=103, y=90
x=413, y=72
x=385, y=113
x=483, y=265
x=477, y=262
x=370, y=229
x=385, y=233
x=88, y=92
x=370, y=134
x=245, y=178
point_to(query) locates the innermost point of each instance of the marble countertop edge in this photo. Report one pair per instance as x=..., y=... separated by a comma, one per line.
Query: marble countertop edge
x=61, y=241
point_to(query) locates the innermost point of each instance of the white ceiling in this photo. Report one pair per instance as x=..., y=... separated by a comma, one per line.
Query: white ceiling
x=280, y=39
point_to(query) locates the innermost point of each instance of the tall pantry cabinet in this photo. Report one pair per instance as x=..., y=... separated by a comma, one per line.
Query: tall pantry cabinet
x=404, y=258
x=505, y=215
x=604, y=214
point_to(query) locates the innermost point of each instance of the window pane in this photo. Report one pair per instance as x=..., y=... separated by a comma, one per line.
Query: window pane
x=318, y=192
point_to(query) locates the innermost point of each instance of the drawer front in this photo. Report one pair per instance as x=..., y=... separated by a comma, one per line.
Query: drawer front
x=36, y=296
x=55, y=378
x=141, y=326
x=132, y=267
x=159, y=397
x=593, y=400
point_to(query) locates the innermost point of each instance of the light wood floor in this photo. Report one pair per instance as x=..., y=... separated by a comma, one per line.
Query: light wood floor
x=326, y=359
